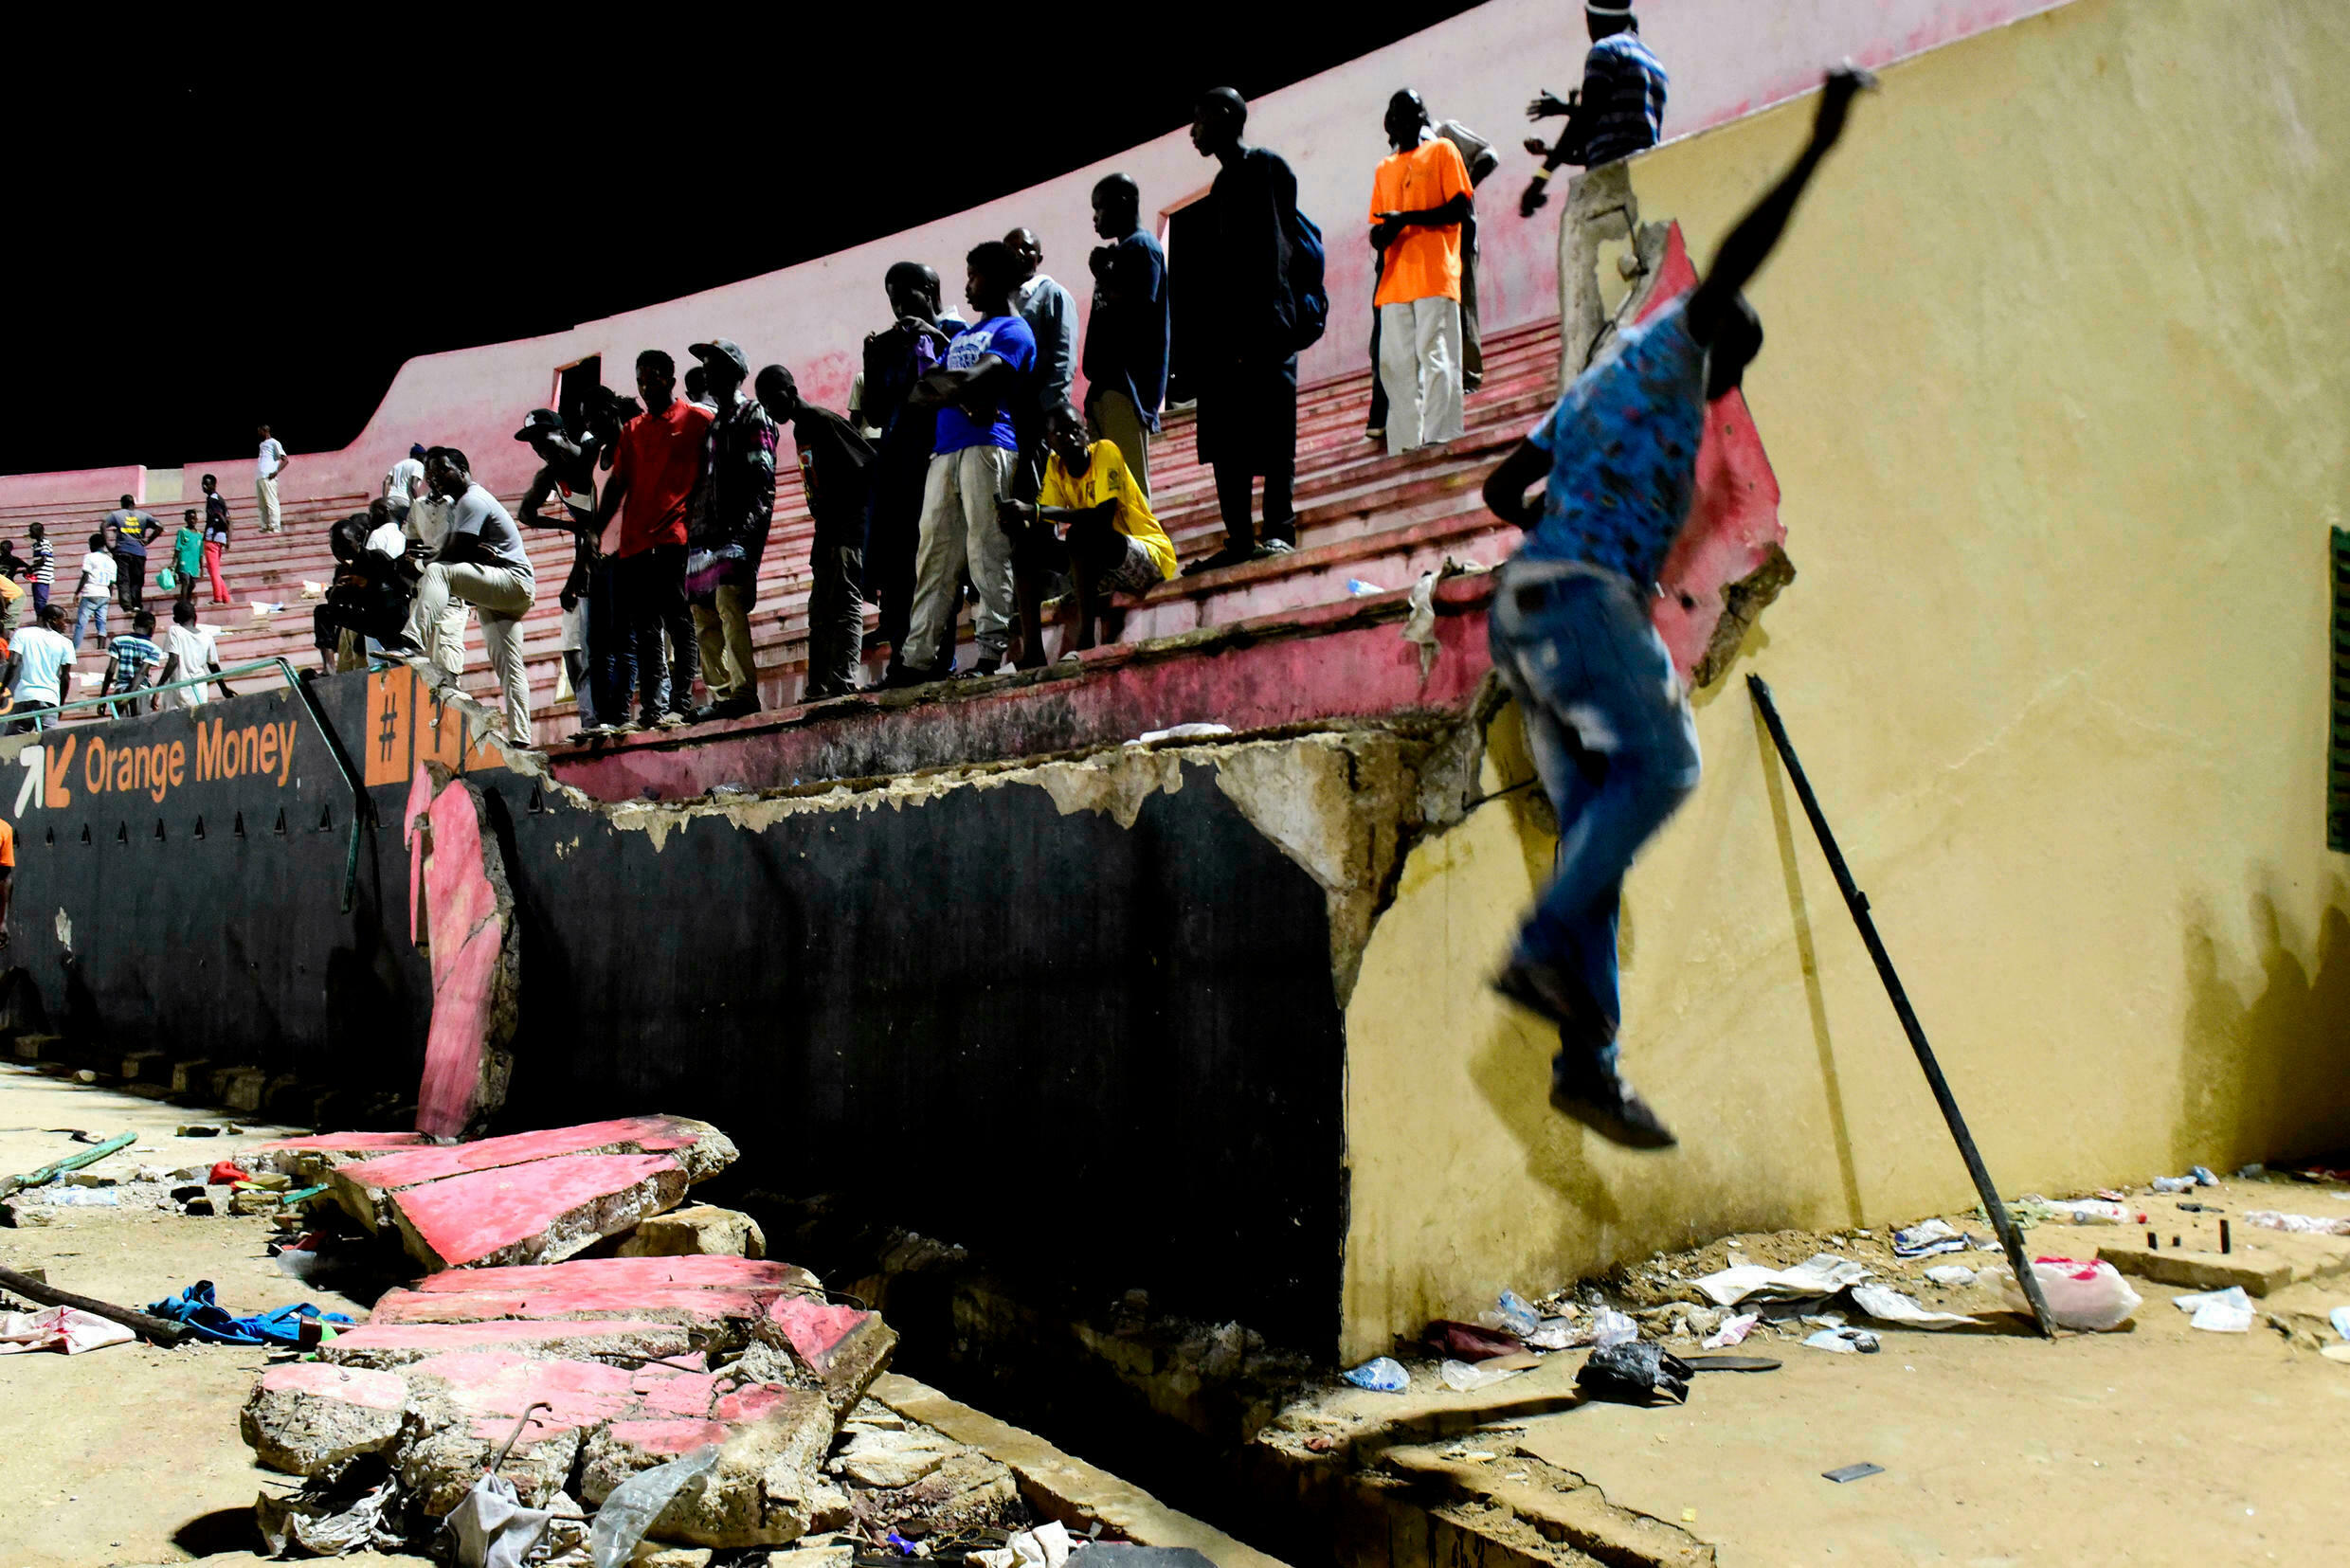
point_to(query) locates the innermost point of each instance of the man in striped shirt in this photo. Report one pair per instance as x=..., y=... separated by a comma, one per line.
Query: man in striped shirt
x=1621, y=109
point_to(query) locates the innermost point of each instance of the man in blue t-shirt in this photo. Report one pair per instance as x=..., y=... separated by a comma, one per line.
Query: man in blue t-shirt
x=1604, y=711
x=989, y=364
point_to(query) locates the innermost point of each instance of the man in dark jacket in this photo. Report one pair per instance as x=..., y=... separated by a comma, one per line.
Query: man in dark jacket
x=835, y=462
x=727, y=537
x=900, y=355
x=1126, y=339
x=1247, y=299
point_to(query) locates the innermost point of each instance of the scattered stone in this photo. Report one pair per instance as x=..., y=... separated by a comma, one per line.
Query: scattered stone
x=312, y=1160
x=890, y=1459
x=699, y=1229
x=968, y=1492
x=239, y=1088
x=32, y=1048
x=189, y=1075
x=85, y=1076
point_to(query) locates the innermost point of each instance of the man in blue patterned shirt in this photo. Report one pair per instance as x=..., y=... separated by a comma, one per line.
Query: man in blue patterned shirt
x=1620, y=111
x=1604, y=711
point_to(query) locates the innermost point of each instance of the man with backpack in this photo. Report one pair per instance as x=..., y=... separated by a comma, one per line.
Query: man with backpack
x=1248, y=296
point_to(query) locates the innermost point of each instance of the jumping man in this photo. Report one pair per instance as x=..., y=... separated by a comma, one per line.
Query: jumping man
x=1604, y=711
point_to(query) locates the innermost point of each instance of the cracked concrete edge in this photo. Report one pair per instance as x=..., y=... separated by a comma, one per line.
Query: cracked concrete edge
x=1060, y=1486
x=1568, y=1508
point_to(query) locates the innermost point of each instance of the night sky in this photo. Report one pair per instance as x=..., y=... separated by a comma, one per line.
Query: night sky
x=237, y=227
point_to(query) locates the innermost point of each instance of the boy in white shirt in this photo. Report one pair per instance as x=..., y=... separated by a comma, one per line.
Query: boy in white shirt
x=96, y=587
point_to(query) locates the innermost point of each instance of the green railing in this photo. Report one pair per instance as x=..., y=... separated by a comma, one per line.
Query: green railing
x=362, y=808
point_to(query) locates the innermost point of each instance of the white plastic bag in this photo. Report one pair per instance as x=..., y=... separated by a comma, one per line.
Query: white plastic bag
x=1463, y=1378
x=2080, y=1295
x=2228, y=1311
x=632, y=1507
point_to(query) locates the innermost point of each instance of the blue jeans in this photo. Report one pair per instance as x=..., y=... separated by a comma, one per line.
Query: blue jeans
x=1612, y=734
x=92, y=612
x=611, y=648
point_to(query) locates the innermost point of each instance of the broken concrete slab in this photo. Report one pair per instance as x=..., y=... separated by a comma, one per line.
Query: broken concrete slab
x=364, y=1186
x=464, y=922
x=544, y=1211
x=724, y=1299
x=389, y=1345
x=767, y=1488
x=613, y=1274
x=313, y=1158
x=191, y=1074
x=897, y=1458
x=845, y=1347
x=239, y=1088
x=306, y=1416
x=2255, y=1272
x=32, y=1048
x=699, y=1229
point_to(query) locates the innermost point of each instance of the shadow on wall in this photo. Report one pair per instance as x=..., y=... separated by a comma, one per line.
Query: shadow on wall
x=2265, y=1074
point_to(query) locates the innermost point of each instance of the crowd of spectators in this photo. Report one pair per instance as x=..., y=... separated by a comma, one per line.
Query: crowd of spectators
x=962, y=469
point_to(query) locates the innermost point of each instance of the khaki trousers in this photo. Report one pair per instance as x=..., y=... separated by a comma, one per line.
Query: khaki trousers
x=723, y=634
x=265, y=497
x=1116, y=419
x=503, y=596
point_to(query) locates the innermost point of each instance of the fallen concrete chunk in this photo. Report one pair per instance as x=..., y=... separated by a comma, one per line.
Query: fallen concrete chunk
x=845, y=1347
x=968, y=1492
x=542, y=1212
x=699, y=1229
x=465, y=924
x=893, y=1458
x=726, y=1317
x=766, y=1489
x=313, y=1158
x=395, y=1344
x=615, y=1273
x=306, y=1416
x=364, y=1186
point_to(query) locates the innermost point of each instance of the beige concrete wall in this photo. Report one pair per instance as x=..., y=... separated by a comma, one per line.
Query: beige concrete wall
x=2055, y=386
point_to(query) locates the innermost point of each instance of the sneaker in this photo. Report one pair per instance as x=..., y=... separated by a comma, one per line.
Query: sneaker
x=1267, y=547
x=1556, y=996
x=673, y=720
x=980, y=670
x=1376, y=433
x=1231, y=555
x=625, y=727
x=1587, y=1089
x=593, y=733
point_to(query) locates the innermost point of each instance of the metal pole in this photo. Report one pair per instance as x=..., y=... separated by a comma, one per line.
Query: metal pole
x=2010, y=1238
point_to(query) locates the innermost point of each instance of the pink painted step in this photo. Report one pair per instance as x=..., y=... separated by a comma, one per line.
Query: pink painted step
x=364, y=1187
x=544, y=1211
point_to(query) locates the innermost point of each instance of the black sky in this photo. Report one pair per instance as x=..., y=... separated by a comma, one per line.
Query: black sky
x=217, y=233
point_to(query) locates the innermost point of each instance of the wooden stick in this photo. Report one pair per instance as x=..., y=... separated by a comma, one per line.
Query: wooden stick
x=157, y=1330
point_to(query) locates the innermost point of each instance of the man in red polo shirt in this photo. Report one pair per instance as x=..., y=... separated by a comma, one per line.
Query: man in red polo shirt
x=658, y=461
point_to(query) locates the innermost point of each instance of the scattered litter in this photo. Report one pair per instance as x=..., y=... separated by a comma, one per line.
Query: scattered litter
x=2299, y=1224
x=65, y=1328
x=1046, y=1546
x=1181, y=732
x=81, y=1198
x=1554, y=1334
x=1633, y=1373
x=1957, y=1276
x=1609, y=1328
x=1734, y=1363
x=2175, y=1184
x=1732, y=1332
x=1467, y=1342
x=227, y=1173
x=2228, y=1311
x=283, y=1326
x=1822, y=1274
x=1463, y=1378
x=2203, y=1175
x=323, y=1517
x=2086, y=1211
x=2339, y=1318
x=632, y=1507
x=1846, y=1341
x=1385, y=1375
x=1928, y=1238
x=1853, y=1472
x=2091, y=1296
x=494, y=1530
x=2254, y=1172
x=1356, y=585
x=1511, y=1313
x=2336, y=1352
x=1887, y=1305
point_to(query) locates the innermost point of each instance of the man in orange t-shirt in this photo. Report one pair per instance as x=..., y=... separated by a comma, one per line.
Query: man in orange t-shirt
x=1420, y=199
x=7, y=875
x=657, y=464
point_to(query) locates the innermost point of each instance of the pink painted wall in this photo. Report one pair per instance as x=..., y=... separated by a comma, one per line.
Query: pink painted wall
x=1728, y=57
x=76, y=484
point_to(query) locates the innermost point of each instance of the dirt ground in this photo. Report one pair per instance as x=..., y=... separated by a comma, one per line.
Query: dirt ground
x=129, y=1454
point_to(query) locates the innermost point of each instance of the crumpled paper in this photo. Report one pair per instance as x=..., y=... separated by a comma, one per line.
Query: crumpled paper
x=1821, y=1275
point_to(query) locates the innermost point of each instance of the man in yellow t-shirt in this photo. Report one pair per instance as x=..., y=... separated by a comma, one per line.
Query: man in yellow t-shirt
x=1104, y=526
x=1420, y=199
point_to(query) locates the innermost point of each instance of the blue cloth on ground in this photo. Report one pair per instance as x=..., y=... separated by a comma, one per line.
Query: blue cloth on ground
x=196, y=1307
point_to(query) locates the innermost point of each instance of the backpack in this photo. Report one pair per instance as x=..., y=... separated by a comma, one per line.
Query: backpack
x=1312, y=299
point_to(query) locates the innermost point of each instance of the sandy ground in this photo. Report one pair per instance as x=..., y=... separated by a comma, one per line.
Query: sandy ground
x=129, y=1454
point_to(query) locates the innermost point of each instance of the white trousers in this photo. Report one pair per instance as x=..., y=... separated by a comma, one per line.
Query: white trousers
x=1419, y=366
x=960, y=529
x=503, y=596
x=266, y=498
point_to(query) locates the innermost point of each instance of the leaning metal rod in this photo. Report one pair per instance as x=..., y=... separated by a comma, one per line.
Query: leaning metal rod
x=2010, y=1238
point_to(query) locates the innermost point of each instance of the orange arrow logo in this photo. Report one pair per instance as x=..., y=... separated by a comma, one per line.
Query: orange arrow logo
x=59, y=760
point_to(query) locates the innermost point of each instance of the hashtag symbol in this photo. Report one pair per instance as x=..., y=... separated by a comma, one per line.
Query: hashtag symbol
x=390, y=731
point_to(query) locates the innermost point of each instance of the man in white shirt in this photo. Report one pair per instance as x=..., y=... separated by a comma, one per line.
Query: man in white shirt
x=406, y=481
x=96, y=587
x=427, y=525
x=1052, y=316
x=384, y=535
x=481, y=563
x=191, y=649
x=265, y=471
x=38, y=662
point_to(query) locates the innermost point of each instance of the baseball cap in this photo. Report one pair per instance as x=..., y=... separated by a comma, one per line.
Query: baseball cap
x=540, y=422
x=721, y=348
